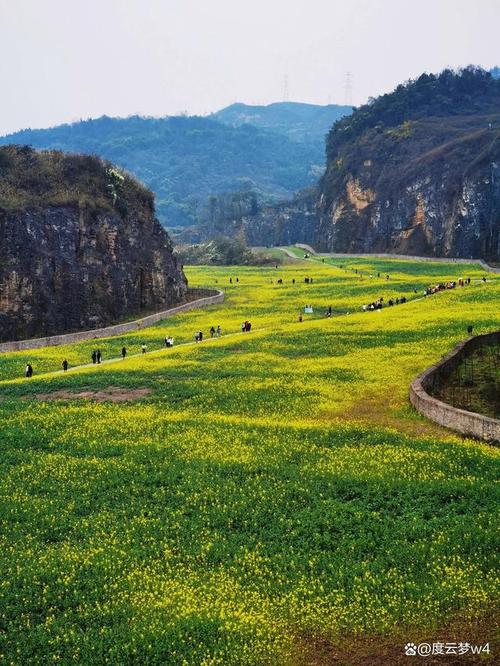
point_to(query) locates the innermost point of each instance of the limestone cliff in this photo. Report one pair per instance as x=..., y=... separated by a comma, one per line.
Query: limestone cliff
x=241, y=215
x=417, y=171
x=80, y=246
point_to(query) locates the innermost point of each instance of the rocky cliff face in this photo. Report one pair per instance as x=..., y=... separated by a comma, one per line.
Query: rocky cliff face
x=417, y=172
x=283, y=224
x=80, y=246
x=241, y=215
x=426, y=207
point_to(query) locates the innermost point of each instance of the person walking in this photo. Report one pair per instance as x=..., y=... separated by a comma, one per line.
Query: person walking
x=124, y=352
x=65, y=365
x=212, y=332
x=29, y=370
x=99, y=356
x=94, y=357
x=143, y=348
x=200, y=336
x=218, y=331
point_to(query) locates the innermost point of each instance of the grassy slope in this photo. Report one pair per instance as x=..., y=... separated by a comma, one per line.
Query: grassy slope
x=274, y=486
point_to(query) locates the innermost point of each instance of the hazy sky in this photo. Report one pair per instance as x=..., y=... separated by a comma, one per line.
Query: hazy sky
x=62, y=60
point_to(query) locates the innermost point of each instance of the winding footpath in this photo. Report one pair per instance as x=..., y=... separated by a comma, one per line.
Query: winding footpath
x=217, y=296
x=408, y=257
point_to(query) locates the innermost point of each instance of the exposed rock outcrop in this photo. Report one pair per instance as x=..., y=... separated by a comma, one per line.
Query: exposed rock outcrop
x=241, y=215
x=417, y=171
x=80, y=246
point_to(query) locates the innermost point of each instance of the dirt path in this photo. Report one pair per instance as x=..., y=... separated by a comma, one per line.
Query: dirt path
x=118, y=359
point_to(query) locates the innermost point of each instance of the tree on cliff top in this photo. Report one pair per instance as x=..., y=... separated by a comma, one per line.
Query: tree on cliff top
x=469, y=91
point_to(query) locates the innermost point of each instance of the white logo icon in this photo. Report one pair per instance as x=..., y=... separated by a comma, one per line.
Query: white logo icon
x=410, y=650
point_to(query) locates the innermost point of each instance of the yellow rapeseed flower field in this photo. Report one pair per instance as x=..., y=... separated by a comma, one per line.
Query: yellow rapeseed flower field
x=253, y=492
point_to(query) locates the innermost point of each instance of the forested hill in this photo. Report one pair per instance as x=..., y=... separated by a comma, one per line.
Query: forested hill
x=185, y=160
x=300, y=122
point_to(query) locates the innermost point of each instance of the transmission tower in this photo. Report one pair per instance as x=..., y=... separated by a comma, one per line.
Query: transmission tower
x=348, y=89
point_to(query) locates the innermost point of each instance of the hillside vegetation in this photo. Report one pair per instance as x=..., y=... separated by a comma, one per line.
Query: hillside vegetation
x=301, y=122
x=31, y=179
x=417, y=171
x=271, y=497
x=184, y=160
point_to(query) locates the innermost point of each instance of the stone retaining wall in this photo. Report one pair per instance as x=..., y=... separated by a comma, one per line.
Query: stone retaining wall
x=208, y=297
x=460, y=420
x=386, y=255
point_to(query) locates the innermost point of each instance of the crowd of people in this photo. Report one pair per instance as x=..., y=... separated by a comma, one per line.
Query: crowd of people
x=441, y=286
x=379, y=303
x=428, y=291
x=246, y=326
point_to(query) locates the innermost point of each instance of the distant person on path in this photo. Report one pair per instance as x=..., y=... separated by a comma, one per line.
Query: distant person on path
x=143, y=348
x=124, y=352
x=212, y=332
x=243, y=327
x=169, y=341
x=218, y=331
x=231, y=280
x=29, y=370
x=293, y=280
x=200, y=336
x=166, y=341
x=99, y=356
x=300, y=317
x=94, y=357
x=65, y=365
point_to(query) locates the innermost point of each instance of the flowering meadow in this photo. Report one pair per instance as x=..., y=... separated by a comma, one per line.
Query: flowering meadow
x=273, y=487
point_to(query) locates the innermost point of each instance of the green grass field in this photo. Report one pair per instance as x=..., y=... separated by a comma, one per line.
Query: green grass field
x=274, y=489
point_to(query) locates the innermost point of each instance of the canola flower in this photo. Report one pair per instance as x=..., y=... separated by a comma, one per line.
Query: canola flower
x=271, y=485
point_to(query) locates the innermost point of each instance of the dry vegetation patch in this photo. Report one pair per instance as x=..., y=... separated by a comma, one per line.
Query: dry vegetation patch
x=110, y=394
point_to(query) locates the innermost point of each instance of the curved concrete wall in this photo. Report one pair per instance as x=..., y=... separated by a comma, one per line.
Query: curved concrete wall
x=208, y=297
x=444, y=260
x=460, y=420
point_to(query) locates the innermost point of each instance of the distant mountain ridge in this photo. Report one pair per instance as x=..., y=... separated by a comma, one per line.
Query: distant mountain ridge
x=185, y=160
x=299, y=121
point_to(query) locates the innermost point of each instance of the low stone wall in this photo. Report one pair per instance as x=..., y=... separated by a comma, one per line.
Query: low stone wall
x=460, y=420
x=207, y=297
x=386, y=255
